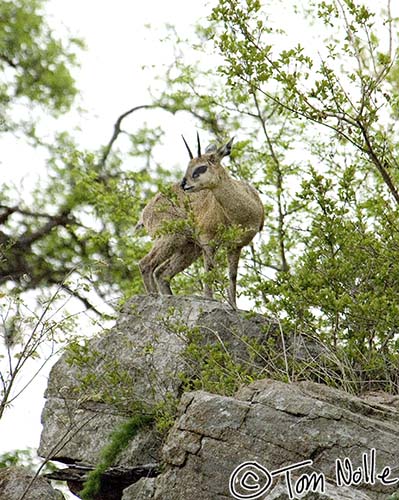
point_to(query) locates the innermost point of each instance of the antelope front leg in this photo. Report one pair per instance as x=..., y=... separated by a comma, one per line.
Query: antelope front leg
x=209, y=253
x=233, y=258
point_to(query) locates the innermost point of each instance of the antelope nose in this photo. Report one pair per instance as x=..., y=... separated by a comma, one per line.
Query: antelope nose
x=183, y=183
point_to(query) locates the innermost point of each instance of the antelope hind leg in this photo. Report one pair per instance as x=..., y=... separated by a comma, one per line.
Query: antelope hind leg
x=145, y=266
x=162, y=284
x=180, y=260
x=160, y=253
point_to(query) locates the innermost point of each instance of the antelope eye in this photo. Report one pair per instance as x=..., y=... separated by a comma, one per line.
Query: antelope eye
x=199, y=170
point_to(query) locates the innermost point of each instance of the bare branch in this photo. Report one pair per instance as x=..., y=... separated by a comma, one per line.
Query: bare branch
x=117, y=130
x=62, y=219
x=8, y=211
x=84, y=300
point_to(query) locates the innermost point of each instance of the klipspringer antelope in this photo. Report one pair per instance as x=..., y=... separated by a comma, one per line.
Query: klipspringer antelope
x=213, y=200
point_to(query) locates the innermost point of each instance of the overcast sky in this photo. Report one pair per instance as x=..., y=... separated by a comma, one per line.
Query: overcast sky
x=120, y=44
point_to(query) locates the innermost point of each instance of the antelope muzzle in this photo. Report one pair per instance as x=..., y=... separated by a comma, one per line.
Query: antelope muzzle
x=183, y=183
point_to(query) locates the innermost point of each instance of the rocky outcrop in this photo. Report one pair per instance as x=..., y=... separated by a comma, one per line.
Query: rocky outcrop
x=274, y=425
x=17, y=481
x=271, y=424
x=93, y=387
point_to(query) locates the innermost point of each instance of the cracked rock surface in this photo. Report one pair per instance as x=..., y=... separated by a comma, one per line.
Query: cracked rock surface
x=275, y=424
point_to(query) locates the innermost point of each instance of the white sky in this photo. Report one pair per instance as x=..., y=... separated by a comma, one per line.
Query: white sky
x=119, y=45
x=111, y=81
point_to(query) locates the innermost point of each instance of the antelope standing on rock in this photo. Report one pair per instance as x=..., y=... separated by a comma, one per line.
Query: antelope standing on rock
x=214, y=200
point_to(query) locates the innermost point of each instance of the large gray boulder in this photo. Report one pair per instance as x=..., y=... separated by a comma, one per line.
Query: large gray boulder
x=17, y=481
x=274, y=425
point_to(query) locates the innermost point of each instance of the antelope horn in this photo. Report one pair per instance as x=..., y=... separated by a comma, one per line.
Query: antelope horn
x=188, y=149
x=199, y=145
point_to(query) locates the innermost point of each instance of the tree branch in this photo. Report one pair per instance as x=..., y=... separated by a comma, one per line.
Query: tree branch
x=117, y=130
x=8, y=211
x=9, y=61
x=82, y=299
x=62, y=219
x=381, y=166
x=278, y=186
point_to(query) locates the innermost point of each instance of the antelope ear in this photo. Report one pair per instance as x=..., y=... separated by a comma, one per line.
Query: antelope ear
x=212, y=148
x=226, y=149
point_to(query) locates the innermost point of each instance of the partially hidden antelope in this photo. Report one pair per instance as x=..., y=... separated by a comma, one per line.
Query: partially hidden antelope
x=213, y=201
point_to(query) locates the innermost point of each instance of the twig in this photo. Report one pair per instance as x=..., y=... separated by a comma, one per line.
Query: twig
x=118, y=130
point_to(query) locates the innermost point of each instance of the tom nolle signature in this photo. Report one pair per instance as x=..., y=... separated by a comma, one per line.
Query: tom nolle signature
x=251, y=480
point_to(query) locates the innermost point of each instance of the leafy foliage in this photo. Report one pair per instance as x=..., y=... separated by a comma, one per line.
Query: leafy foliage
x=337, y=236
x=35, y=66
x=29, y=336
x=18, y=457
x=317, y=135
